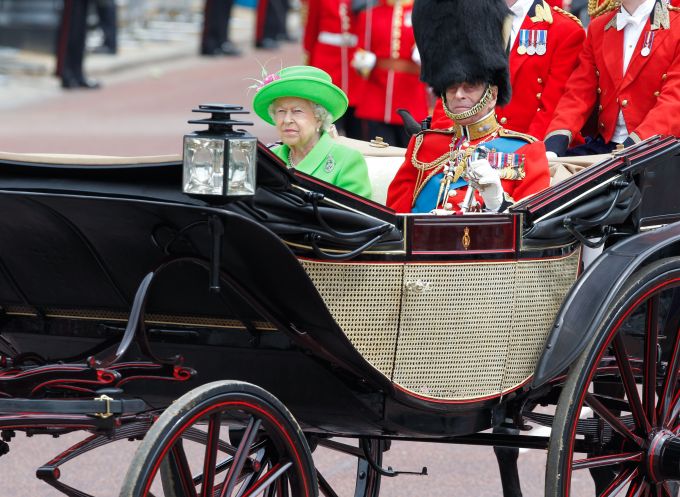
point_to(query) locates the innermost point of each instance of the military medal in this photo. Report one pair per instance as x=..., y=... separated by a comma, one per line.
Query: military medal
x=541, y=47
x=523, y=41
x=647, y=45
x=531, y=49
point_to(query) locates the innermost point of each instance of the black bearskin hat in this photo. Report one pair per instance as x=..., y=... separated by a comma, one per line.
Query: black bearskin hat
x=462, y=41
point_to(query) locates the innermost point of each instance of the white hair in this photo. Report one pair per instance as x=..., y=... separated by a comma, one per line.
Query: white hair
x=320, y=113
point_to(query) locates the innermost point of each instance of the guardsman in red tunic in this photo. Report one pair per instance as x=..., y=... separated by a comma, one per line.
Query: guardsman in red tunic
x=629, y=73
x=329, y=43
x=388, y=59
x=441, y=165
x=546, y=43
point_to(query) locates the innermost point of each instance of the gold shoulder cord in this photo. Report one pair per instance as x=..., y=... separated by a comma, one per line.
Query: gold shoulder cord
x=595, y=10
x=425, y=166
x=568, y=14
x=516, y=134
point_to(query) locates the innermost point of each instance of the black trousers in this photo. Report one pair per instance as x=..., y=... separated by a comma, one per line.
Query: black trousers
x=216, y=15
x=108, y=22
x=71, y=40
x=271, y=19
x=592, y=146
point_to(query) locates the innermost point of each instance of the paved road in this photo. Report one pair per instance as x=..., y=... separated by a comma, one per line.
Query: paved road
x=144, y=112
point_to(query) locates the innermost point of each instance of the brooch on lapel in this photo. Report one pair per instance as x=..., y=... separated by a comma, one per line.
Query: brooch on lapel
x=330, y=164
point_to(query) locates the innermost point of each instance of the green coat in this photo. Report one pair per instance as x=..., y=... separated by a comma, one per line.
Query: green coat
x=334, y=163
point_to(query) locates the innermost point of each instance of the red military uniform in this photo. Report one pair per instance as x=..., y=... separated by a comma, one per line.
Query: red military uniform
x=648, y=94
x=329, y=42
x=394, y=83
x=417, y=181
x=538, y=81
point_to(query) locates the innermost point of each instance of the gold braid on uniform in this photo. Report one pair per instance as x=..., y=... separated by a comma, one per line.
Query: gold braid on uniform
x=595, y=10
x=568, y=14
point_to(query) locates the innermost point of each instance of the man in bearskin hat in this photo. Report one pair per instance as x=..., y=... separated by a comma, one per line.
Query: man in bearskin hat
x=628, y=74
x=544, y=47
x=463, y=59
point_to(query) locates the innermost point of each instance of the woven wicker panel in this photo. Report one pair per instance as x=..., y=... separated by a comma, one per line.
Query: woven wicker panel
x=454, y=335
x=540, y=289
x=364, y=300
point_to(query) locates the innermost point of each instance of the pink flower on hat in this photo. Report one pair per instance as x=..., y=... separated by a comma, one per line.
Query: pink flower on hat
x=269, y=78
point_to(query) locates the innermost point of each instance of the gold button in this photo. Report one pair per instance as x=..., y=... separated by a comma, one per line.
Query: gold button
x=538, y=110
x=597, y=73
x=624, y=103
x=539, y=95
x=599, y=90
x=657, y=93
x=540, y=81
x=664, y=76
x=601, y=125
x=504, y=120
x=600, y=108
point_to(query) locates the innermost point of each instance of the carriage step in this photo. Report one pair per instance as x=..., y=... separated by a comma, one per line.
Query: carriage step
x=589, y=426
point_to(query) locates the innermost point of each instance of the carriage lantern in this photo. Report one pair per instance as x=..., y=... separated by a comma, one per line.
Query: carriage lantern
x=220, y=161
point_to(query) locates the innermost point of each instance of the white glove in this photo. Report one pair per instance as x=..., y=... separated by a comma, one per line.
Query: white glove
x=415, y=55
x=551, y=155
x=364, y=62
x=485, y=178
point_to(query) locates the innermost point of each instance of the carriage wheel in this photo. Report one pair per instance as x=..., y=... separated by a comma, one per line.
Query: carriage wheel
x=616, y=429
x=223, y=439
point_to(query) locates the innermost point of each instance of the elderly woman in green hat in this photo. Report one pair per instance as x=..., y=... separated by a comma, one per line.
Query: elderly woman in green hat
x=302, y=102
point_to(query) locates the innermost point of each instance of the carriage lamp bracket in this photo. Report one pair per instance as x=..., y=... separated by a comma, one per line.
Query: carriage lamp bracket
x=389, y=472
x=217, y=233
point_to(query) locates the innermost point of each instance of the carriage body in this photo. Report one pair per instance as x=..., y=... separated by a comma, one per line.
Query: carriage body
x=363, y=323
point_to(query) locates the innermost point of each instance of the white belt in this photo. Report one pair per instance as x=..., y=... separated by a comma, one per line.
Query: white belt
x=338, y=39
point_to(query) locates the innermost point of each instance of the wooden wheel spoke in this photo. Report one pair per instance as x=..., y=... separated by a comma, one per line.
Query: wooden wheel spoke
x=623, y=479
x=180, y=463
x=651, y=356
x=242, y=453
x=210, y=459
x=609, y=460
x=669, y=390
x=616, y=424
x=638, y=488
x=275, y=474
x=629, y=384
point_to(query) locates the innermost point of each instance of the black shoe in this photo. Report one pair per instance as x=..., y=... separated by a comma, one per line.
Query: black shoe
x=74, y=84
x=90, y=84
x=267, y=44
x=103, y=49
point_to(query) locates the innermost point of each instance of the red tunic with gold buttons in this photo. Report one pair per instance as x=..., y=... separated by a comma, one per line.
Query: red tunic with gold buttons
x=648, y=93
x=538, y=81
x=329, y=42
x=523, y=166
x=394, y=82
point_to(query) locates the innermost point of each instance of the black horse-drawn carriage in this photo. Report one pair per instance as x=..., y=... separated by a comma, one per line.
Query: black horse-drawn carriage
x=131, y=308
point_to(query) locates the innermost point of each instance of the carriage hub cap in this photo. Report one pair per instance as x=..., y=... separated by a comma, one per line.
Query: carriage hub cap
x=663, y=457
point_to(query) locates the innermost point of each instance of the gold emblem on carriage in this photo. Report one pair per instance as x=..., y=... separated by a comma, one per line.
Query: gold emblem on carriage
x=466, y=238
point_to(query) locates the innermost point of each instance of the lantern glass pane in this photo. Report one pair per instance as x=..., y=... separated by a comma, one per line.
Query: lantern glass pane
x=203, y=166
x=242, y=166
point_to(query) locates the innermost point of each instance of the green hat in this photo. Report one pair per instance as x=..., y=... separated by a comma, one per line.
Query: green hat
x=306, y=82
